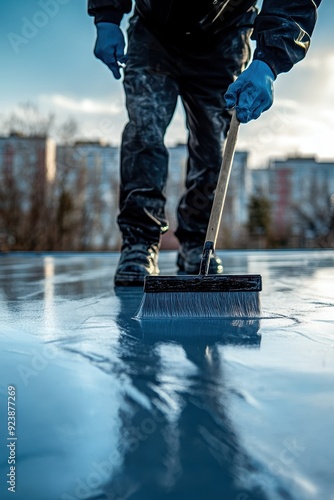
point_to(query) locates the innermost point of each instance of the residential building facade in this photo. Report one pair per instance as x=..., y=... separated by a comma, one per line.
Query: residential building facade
x=27, y=173
x=301, y=194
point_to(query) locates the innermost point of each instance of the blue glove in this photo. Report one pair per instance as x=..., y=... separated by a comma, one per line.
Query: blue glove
x=252, y=93
x=109, y=47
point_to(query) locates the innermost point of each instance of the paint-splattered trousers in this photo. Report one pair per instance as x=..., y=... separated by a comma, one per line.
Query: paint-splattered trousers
x=156, y=74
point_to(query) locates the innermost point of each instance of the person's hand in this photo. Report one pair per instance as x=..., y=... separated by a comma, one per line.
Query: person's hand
x=252, y=93
x=109, y=47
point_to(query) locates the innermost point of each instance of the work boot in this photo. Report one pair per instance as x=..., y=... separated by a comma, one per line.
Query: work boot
x=189, y=259
x=136, y=261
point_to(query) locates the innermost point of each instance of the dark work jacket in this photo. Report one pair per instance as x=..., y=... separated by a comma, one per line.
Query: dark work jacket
x=282, y=29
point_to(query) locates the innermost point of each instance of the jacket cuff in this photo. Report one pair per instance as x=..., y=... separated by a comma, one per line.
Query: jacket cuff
x=108, y=16
x=268, y=59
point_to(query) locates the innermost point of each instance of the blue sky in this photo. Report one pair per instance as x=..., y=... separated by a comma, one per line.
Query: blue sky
x=56, y=69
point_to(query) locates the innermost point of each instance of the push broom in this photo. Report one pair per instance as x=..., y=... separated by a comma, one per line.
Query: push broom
x=204, y=295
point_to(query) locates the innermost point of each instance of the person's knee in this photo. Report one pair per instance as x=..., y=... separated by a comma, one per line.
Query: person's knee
x=146, y=134
x=150, y=107
x=205, y=151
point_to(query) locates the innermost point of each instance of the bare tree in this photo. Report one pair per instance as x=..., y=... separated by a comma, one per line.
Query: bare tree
x=259, y=220
x=27, y=121
x=74, y=211
x=31, y=205
x=316, y=218
x=11, y=219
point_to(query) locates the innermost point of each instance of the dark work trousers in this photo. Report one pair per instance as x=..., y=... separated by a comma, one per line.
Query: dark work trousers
x=156, y=74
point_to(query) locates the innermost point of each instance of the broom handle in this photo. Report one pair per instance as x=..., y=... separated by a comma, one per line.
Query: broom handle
x=220, y=194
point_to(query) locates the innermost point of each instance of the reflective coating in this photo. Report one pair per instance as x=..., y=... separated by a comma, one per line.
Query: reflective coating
x=111, y=408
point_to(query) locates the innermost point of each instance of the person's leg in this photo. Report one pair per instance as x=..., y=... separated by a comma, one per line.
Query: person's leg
x=151, y=96
x=202, y=88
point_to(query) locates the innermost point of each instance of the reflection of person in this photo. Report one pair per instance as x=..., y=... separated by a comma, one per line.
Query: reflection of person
x=180, y=438
x=194, y=50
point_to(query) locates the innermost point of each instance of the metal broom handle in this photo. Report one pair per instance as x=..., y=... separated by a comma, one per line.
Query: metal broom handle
x=220, y=193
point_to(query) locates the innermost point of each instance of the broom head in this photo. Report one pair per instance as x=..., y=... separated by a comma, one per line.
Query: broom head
x=208, y=296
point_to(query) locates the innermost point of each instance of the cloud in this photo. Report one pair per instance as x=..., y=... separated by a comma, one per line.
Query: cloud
x=85, y=105
x=300, y=122
x=302, y=119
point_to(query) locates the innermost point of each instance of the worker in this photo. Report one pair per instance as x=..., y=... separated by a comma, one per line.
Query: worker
x=198, y=50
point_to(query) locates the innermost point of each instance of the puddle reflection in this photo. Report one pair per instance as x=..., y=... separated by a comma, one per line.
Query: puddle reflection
x=181, y=443
x=171, y=408
x=225, y=331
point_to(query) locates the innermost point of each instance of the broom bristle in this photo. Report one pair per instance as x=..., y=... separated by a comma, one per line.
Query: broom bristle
x=200, y=304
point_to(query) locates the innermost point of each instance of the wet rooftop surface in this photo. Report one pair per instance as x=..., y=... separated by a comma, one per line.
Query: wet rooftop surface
x=109, y=408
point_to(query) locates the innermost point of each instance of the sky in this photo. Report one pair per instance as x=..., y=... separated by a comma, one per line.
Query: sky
x=47, y=59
